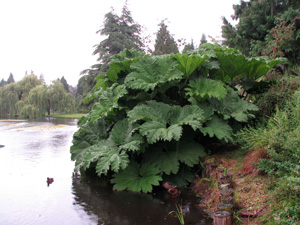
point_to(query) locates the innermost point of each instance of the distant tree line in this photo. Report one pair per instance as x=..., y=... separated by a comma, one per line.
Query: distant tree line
x=32, y=98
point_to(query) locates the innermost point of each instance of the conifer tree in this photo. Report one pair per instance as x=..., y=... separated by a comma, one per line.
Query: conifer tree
x=65, y=83
x=256, y=19
x=189, y=46
x=121, y=32
x=2, y=83
x=164, y=43
x=203, y=39
x=11, y=79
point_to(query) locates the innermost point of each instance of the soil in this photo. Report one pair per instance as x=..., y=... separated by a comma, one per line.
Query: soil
x=251, y=198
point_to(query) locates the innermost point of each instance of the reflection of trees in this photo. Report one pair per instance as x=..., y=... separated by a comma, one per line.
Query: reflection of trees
x=127, y=208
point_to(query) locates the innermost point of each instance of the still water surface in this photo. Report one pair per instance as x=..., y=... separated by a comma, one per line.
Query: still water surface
x=35, y=150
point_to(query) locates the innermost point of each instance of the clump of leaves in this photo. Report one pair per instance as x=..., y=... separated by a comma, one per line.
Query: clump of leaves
x=278, y=94
x=152, y=113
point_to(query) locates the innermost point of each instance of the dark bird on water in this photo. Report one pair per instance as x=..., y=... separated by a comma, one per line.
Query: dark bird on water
x=49, y=180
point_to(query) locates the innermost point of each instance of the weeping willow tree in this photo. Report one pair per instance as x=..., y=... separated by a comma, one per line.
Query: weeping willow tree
x=29, y=111
x=38, y=98
x=58, y=100
x=29, y=98
x=8, y=99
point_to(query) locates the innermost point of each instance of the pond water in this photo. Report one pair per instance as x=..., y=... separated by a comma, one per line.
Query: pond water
x=35, y=150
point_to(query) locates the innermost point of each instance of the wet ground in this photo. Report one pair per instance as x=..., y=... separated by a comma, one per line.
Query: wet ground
x=35, y=150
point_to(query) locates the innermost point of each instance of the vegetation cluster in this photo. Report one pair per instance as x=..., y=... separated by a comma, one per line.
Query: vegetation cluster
x=31, y=98
x=173, y=105
x=154, y=114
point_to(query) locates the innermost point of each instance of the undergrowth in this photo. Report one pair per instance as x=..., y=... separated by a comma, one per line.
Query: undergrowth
x=280, y=141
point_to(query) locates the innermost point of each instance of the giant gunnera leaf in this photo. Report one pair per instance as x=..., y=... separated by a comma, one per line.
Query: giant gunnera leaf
x=139, y=178
x=168, y=159
x=163, y=121
x=150, y=72
x=111, y=153
x=189, y=63
x=108, y=101
x=233, y=107
x=219, y=128
x=202, y=89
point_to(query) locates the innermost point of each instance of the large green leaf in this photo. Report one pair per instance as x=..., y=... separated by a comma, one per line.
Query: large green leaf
x=164, y=122
x=111, y=158
x=88, y=135
x=124, y=136
x=232, y=65
x=137, y=178
x=111, y=153
x=202, y=89
x=108, y=101
x=155, y=131
x=189, y=63
x=150, y=72
x=121, y=63
x=255, y=68
x=182, y=178
x=168, y=159
x=233, y=107
x=189, y=152
x=219, y=128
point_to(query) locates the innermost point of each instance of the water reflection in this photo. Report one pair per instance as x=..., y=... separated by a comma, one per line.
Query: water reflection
x=127, y=208
x=30, y=156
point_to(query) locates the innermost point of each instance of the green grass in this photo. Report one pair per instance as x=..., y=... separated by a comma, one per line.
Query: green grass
x=71, y=116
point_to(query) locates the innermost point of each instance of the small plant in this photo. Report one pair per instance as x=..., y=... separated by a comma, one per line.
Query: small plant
x=179, y=213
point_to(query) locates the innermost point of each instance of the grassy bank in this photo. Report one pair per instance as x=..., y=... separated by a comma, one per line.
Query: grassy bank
x=71, y=116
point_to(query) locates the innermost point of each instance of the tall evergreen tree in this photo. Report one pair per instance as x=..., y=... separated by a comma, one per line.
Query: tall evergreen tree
x=65, y=83
x=164, y=43
x=189, y=46
x=256, y=20
x=42, y=78
x=2, y=83
x=10, y=79
x=121, y=32
x=203, y=40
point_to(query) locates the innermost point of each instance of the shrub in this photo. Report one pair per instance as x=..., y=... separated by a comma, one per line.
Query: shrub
x=153, y=114
x=281, y=141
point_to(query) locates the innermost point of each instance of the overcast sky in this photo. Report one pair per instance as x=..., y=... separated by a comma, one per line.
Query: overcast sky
x=56, y=37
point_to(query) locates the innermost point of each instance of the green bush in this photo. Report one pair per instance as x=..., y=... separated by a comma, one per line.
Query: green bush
x=278, y=95
x=153, y=113
x=281, y=140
